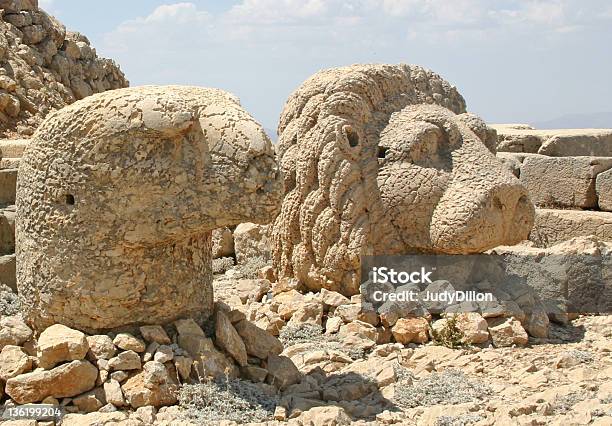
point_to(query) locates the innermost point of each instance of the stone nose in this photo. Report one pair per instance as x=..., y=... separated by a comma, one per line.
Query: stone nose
x=475, y=219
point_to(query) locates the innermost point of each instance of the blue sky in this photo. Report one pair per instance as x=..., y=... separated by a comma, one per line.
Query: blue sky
x=513, y=61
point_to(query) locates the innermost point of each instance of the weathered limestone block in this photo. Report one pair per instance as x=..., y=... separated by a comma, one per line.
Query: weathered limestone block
x=13, y=148
x=8, y=265
x=603, y=188
x=554, y=143
x=8, y=182
x=129, y=184
x=571, y=276
x=554, y=226
x=222, y=243
x=7, y=230
x=251, y=240
x=579, y=142
x=563, y=181
x=49, y=68
x=384, y=159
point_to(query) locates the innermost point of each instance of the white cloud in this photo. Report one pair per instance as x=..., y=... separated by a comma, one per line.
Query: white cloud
x=262, y=49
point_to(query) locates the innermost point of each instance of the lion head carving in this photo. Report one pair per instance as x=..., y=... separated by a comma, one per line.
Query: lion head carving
x=384, y=159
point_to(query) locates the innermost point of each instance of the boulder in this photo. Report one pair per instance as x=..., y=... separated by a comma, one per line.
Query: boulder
x=127, y=360
x=473, y=327
x=282, y=372
x=90, y=401
x=155, y=333
x=101, y=346
x=258, y=342
x=507, y=332
x=13, y=362
x=222, y=243
x=13, y=331
x=150, y=387
x=252, y=290
x=411, y=330
x=66, y=380
x=128, y=342
x=229, y=339
x=163, y=354
x=250, y=241
x=325, y=416
x=59, y=343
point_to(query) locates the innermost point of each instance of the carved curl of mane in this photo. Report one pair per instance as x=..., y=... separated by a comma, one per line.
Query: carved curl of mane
x=328, y=147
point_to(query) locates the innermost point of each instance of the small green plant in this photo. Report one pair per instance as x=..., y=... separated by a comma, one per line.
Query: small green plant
x=449, y=335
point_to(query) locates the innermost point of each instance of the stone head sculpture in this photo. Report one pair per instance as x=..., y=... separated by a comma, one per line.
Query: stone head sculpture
x=117, y=196
x=383, y=159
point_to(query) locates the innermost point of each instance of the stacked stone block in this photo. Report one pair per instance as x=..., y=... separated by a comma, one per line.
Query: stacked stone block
x=568, y=174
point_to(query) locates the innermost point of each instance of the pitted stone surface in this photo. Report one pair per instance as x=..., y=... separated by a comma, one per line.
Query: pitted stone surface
x=383, y=159
x=117, y=197
x=44, y=67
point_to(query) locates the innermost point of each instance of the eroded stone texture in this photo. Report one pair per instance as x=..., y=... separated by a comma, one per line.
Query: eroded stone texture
x=117, y=197
x=44, y=67
x=383, y=159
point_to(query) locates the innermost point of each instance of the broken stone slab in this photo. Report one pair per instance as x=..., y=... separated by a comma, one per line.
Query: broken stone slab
x=66, y=380
x=553, y=226
x=563, y=181
x=603, y=188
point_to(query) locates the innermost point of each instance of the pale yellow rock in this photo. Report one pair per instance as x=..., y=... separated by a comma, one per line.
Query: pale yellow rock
x=101, y=347
x=258, y=342
x=229, y=339
x=411, y=330
x=155, y=333
x=113, y=393
x=65, y=380
x=60, y=343
x=13, y=331
x=128, y=342
x=127, y=360
x=13, y=362
x=507, y=332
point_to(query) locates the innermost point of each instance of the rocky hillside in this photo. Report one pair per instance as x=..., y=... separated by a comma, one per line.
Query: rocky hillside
x=44, y=67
